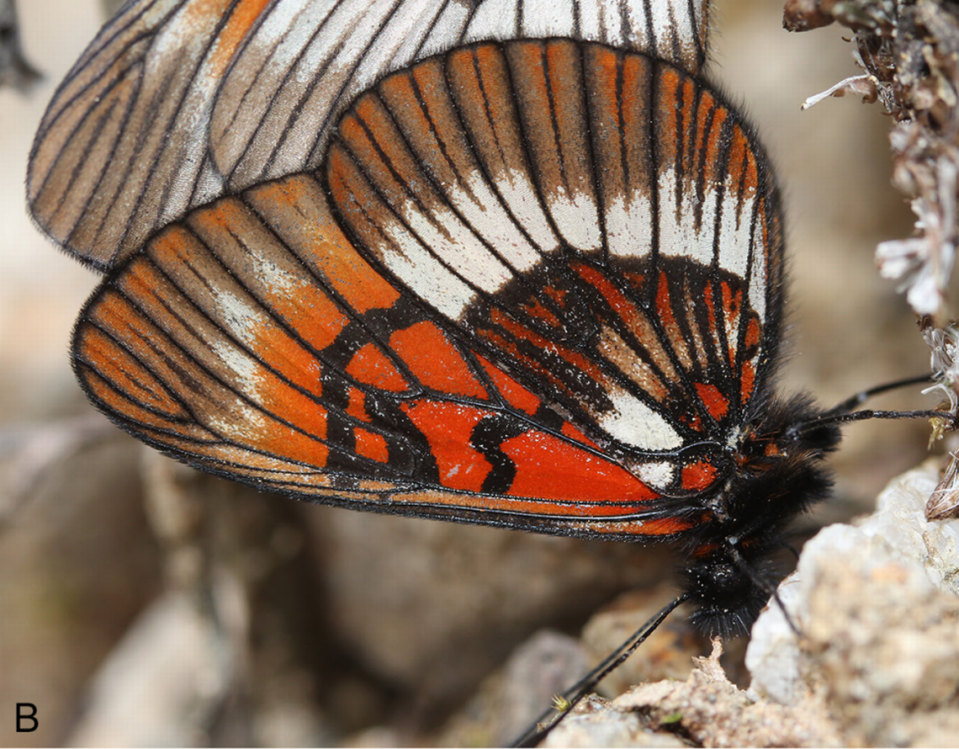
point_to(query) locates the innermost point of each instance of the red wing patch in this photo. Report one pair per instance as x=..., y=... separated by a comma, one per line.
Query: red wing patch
x=698, y=476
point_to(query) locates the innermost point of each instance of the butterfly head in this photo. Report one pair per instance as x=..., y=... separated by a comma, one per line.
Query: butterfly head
x=780, y=474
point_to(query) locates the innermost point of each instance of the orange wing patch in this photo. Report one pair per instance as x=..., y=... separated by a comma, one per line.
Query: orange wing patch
x=239, y=240
x=574, y=434
x=547, y=466
x=371, y=366
x=371, y=445
x=716, y=403
x=698, y=476
x=234, y=31
x=356, y=406
x=253, y=337
x=117, y=365
x=297, y=210
x=433, y=360
x=748, y=380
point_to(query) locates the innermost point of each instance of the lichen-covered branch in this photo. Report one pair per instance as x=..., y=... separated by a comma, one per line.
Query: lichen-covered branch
x=909, y=53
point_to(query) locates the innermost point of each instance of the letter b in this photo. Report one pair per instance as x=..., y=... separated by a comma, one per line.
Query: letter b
x=24, y=716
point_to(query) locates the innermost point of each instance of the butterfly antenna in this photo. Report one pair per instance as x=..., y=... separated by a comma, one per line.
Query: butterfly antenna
x=572, y=696
x=859, y=398
x=844, y=412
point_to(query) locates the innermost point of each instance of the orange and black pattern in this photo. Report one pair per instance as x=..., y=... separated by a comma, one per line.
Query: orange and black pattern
x=297, y=366
x=263, y=343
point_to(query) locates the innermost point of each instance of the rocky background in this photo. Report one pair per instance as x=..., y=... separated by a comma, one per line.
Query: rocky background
x=141, y=603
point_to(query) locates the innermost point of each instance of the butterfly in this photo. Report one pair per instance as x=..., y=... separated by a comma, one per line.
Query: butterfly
x=507, y=263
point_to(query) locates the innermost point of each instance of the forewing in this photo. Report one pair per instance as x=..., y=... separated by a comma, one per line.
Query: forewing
x=253, y=341
x=599, y=222
x=178, y=102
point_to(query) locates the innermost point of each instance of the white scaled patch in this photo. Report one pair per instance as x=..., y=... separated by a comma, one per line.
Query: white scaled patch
x=610, y=20
x=494, y=19
x=639, y=23
x=271, y=274
x=757, y=281
x=677, y=230
x=658, y=475
x=619, y=23
x=244, y=424
x=634, y=423
x=556, y=21
x=590, y=22
x=457, y=246
x=448, y=26
x=484, y=213
x=246, y=368
x=281, y=45
x=393, y=45
x=349, y=66
x=209, y=185
x=576, y=218
x=423, y=273
x=734, y=237
x=628, y=226
x=665, y=16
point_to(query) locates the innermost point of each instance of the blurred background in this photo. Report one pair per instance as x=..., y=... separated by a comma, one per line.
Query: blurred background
x=140, y=603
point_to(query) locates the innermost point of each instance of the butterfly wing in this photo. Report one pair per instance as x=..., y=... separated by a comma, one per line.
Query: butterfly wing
x=179, y=102
x=471, y=347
